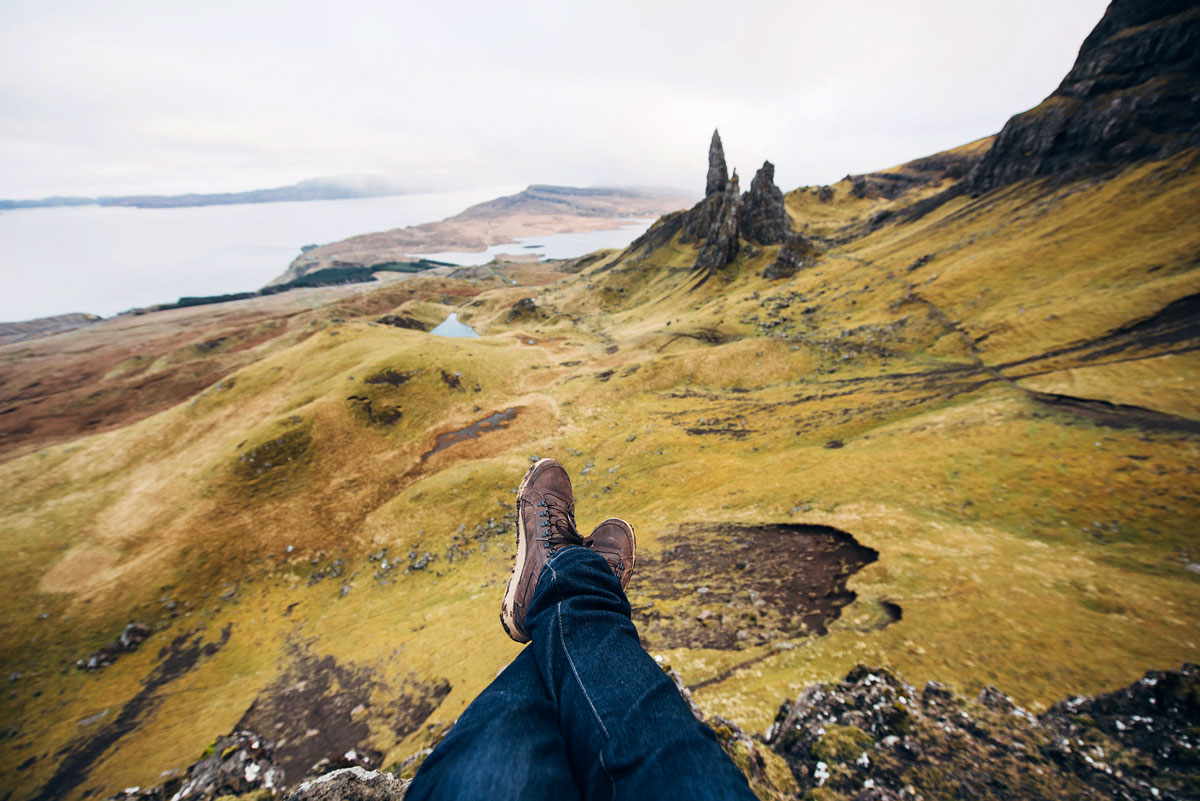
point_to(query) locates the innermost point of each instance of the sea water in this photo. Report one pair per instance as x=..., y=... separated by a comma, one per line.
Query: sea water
x=105, y=259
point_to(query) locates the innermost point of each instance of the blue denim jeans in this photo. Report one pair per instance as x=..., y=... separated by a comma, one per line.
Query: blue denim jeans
x=582, y=713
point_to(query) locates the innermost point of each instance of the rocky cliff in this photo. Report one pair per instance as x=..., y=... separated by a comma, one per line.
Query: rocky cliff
x=1133, y=93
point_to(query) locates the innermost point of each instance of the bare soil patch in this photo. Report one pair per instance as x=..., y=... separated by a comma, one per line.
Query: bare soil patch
x=733, y=586
x=318, y=709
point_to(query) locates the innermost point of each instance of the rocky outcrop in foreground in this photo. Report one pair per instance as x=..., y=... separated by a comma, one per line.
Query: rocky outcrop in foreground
x=873, y=737
x=870, y=737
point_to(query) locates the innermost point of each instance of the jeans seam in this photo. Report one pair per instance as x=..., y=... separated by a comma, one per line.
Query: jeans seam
x=611, y=781
x=570, y=661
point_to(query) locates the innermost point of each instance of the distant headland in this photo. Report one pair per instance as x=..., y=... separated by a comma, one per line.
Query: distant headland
x=329, y=188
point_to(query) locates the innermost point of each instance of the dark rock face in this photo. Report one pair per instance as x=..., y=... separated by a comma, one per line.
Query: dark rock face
x=764, y=219
x=1134, y=93
x=714, y=223
x=874, y=736
x=792, y=256
x=718, y=173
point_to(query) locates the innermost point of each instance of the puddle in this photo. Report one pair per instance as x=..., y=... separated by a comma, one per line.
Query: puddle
x=492, y=422
x=451, y=327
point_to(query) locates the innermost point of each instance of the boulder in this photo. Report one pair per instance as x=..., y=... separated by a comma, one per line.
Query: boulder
x=351, y=784
x=237, y=764
x=129, y=639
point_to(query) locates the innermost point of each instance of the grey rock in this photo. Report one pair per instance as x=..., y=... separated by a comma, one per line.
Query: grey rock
x=238, y=763
x=718, y=173
x=132, y=636
x=351, y=784
x=714, y=223
x=764, y=218
x=874, y=731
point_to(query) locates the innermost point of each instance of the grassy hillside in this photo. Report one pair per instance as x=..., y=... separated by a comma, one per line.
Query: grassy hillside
x=996, y=397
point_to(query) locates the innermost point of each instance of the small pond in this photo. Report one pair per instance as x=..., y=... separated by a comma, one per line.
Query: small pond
x=451, y=327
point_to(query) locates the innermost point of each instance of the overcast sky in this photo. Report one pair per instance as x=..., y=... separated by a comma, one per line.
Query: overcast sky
x=127, y=96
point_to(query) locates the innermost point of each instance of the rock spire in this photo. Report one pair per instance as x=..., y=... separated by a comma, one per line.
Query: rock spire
x=727, y=222
x=718, y=173
x=764, y=218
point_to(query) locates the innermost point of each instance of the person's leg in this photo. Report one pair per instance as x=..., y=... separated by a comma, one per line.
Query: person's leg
x=628, y=731
x=506, y=745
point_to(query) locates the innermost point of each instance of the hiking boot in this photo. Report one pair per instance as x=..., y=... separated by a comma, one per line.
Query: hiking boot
x=545, y=524
x=613, y=539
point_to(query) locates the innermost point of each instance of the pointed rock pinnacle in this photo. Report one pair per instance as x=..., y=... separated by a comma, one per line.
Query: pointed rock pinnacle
x=718, y=174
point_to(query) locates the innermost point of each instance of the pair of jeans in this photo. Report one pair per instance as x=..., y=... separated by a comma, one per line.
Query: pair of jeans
x=582, y=713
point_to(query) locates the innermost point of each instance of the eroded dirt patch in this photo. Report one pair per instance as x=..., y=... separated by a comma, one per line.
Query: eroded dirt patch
x=319, y=708
x=383, y=415
x=1116, y=415
x=728, y=586
x=391, y=377
x=309, y=712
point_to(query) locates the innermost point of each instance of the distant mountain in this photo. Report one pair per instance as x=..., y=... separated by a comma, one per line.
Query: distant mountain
x=28, y=329
x=333, y=188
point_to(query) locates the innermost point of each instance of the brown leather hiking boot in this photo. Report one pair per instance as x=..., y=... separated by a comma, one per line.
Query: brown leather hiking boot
x=545, y=523
x=613, y=539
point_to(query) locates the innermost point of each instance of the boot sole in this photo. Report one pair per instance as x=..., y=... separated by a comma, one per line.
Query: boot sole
x=508, y=618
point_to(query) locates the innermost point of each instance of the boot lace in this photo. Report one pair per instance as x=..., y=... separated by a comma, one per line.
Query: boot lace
x=557, y=525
